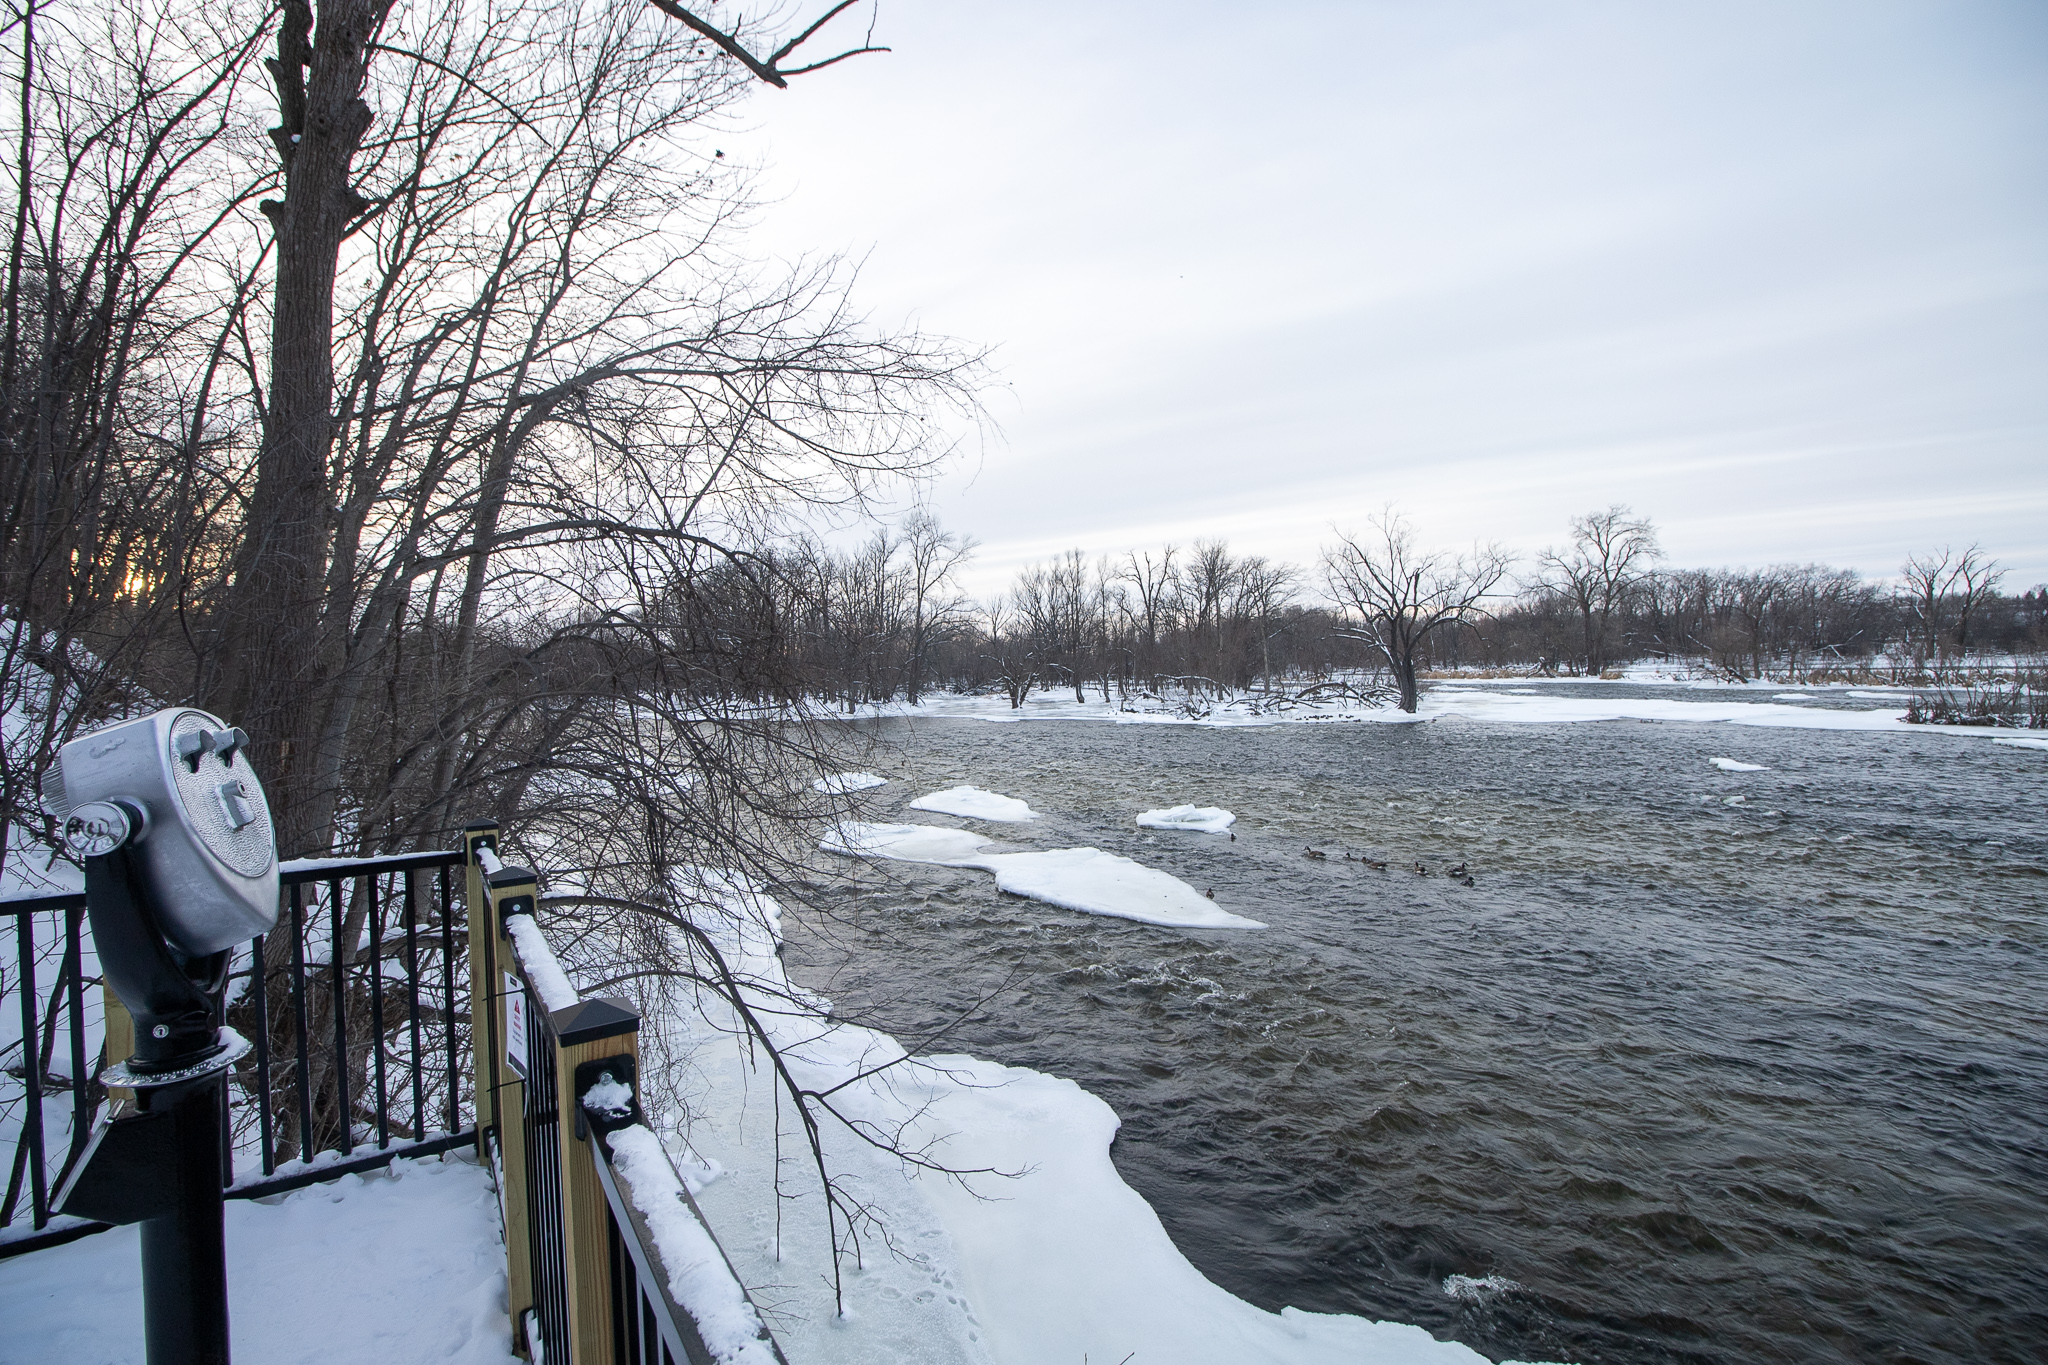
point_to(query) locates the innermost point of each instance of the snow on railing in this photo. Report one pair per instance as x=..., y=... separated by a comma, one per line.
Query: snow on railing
x=543, y=970
x=678, y=1274
x=580, y=1171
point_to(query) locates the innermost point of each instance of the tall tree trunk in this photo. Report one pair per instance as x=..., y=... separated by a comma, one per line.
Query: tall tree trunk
x=273, y=654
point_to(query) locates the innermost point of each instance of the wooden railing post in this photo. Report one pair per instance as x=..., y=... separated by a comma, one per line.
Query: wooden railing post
x=120, y=1039
x=483, y=988
x=512, y=891
x=586, y=1032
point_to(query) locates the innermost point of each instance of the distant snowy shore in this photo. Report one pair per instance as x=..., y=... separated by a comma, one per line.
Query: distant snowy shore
x=1509, y=701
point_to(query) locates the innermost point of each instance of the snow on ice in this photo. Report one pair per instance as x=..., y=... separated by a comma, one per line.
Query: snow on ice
x=2023, y=743
x=1730, y=765
x=975, y=804
x=1108, y=884
x=1085, y=879
x=905, y=843
x=845, y=784
x=1200, y=819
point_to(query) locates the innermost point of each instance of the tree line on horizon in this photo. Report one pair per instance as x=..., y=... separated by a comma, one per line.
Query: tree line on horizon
x=886, y=620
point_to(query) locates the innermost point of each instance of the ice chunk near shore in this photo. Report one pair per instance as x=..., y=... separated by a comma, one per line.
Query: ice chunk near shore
x=1729, y=765
x=975, y=804
x=845, y=784
x=906, y=843
x=2023, y=743
x=1099, y=883
x=1200, y=819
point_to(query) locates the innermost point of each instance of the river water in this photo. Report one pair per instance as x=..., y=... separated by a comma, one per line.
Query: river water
x=1674, y=1080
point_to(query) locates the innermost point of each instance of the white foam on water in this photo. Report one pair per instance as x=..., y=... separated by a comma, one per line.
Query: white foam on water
x=1473, y=1290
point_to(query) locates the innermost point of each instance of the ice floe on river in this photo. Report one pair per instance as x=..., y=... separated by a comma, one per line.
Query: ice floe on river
x=1108, y=884
x=1084, y=879
x=845, y=784
x=975, y=804
x=906, y=843
x=1200, y=819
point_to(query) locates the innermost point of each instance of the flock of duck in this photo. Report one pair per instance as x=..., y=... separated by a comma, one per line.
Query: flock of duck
x=1456, y=872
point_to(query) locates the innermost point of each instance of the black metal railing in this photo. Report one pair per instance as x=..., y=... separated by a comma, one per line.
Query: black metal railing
x=644, y=1326
x=648, y=1326
x=360, y=1056
x=547, y=1246
x=48, y=933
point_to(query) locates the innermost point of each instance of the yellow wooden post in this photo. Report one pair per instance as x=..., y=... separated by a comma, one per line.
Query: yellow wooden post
x=482, y=984
x=512, y=891
x=120, y=1036
x=586, y=1032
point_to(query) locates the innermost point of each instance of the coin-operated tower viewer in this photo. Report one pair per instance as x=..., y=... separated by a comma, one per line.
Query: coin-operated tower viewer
x=180, y=869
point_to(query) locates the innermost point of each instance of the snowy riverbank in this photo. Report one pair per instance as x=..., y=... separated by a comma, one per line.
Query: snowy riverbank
x=1644, y=695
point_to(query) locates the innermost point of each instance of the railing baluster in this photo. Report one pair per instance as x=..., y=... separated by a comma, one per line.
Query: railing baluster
x=376, y=911
x=335, y=960
x=31, y=1070
x=412, y=994
x=448, y=1002
x=81, y=1106
x=259, y=993
x=299, y=1013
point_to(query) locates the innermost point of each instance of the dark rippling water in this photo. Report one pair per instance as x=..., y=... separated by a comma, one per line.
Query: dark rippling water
x=1760, y=1082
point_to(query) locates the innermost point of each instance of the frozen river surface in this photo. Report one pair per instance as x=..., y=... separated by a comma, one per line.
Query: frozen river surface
x=1706, y=1065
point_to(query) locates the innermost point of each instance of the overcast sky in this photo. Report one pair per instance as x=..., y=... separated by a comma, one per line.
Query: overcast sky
x=1774, y=274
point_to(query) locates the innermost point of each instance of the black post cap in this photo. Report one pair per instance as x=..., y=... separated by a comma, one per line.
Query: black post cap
x=586, y=1021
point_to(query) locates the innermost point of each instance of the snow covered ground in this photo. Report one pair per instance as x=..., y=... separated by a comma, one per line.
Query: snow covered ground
x=1041, y=1254
x=398, y=1268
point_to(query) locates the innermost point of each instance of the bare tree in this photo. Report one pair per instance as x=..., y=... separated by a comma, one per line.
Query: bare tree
x=1008, y=650
x=1396, y=596
x=937, y=607
x=1610, y=554
x=1943, y=590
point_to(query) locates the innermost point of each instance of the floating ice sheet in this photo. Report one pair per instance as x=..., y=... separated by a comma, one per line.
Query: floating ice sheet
x=845, y=784
x=1085, y=879
x=1200, y=819
x=975, y=804
x=907, y=843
